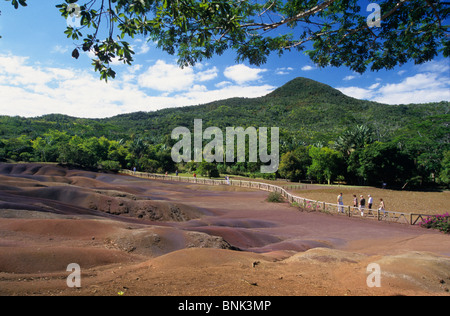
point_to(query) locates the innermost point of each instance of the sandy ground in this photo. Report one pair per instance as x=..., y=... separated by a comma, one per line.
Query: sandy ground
x=139, y=237
x=418, y=202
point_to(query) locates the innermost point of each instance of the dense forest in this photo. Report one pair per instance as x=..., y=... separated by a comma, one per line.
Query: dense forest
x=325, y=137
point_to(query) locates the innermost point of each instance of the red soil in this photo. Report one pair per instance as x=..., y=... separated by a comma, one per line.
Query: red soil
x=143, y=237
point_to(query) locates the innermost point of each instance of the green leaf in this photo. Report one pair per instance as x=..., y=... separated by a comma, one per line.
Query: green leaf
x=75, y=53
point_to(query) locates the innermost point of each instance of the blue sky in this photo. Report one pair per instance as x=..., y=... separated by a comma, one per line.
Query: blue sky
x=38, y=75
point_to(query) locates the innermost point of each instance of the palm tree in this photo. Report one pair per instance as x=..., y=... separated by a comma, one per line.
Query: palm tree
x=138, y=148
x=353, y=139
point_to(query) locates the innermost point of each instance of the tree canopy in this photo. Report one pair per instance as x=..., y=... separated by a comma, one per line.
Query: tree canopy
x=330, y=32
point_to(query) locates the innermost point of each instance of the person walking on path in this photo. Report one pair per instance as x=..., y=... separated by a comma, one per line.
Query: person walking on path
x=362, y=204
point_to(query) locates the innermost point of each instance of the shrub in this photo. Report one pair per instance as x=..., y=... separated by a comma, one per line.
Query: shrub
x=110, y=165
x=208, y=169
x=275, y=197
x=440, y=222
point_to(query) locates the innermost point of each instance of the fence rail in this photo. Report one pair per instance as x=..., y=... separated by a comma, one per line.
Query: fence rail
x=304, y=203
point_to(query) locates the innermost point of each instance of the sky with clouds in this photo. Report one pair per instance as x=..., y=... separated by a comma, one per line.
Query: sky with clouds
x=38, y=75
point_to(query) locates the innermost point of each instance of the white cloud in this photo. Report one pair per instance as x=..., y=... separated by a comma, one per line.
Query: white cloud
x=348, y=78
x=60, y=49
x=417, y=82
x=115, y=61
x=207, y=75
x=434, y=66
x=27, y=89
x=232, y=91
x=170, y=78
x=423, y=87
x=166, y=77
x=223, y=84
x=36, y=91
x=356, y=92
x=142, y=46
x=242, y=74
x=143, y=49
x=15, y=72
x=307, y=68
x=284, y=70
x=374, y=86
x=135, y=68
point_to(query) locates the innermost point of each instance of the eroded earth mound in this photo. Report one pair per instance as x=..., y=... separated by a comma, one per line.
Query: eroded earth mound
x=148, y=237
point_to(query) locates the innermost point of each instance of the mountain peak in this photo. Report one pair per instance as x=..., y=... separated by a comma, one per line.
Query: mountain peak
x=304, y=87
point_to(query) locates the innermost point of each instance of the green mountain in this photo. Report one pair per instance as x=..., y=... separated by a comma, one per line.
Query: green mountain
x=306, y=112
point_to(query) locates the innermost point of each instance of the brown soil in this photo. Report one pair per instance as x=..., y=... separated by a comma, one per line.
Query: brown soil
x=140, y=237
x=395, y=200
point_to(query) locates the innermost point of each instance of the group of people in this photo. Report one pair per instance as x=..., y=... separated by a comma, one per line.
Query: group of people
x=360, y=203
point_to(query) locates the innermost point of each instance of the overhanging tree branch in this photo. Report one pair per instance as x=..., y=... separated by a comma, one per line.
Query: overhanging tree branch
x=195, y=29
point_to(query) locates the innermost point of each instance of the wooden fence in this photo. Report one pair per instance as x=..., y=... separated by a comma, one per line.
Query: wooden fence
x=304, y=203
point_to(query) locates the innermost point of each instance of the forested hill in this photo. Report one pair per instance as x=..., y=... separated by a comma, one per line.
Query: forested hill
x=307, y=110
x=301, y=106
x=307, y=113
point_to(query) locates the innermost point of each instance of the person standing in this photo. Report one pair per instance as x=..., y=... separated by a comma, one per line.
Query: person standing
x=362, y=204
x=355, y=202
x=340, y=202
x=382, y=207
x=370, y=202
